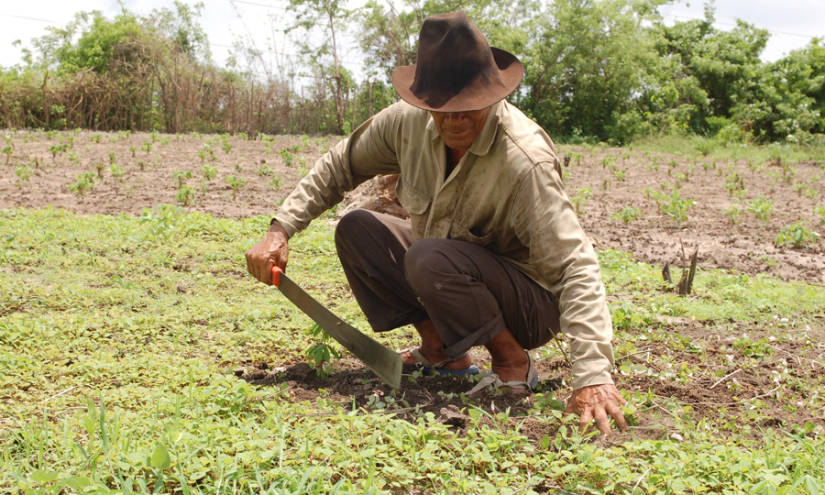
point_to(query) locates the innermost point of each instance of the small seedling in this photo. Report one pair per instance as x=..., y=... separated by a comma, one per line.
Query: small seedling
x=99, y=166
x=287, y=157
x=209, y=172
x=181, y=177
x=796, y=235
x=58, y=148
x=185, y=195
x=580, y=199
x=23, y=172
x=132, y=150
x=734, y=213
x=321, y=353
x=236, y=184
x=84, y=182
x=146, y=146
x=677, y=207
x=112, y=157
x=627, y=214
x=761, y=208
x=276, y=184
x=117, y=171
x=265, y=171
x=733, y=183
x=8, y=150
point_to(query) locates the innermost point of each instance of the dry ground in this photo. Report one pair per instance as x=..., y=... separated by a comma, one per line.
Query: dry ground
x=617, y=178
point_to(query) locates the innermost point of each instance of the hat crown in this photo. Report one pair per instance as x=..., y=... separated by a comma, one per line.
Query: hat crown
x=452, y=53
x=456, y=69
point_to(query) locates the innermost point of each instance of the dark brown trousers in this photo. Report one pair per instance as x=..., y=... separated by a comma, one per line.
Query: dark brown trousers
x=469, y=293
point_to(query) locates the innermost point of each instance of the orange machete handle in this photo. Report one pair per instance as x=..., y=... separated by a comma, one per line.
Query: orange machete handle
x=276, y=276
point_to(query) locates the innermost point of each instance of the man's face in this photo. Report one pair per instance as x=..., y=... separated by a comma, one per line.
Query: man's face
x=459, y=129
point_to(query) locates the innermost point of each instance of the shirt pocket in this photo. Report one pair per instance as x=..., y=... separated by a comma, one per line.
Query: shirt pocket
x=472, y=234
x=413, y=201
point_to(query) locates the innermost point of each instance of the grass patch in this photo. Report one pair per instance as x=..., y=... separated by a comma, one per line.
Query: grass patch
x=119, y=337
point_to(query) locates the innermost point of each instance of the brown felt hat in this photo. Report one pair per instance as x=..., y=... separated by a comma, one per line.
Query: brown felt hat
x=456, y=69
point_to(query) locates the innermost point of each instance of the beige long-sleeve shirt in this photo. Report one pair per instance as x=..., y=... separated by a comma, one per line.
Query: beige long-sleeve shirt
x=504, y=194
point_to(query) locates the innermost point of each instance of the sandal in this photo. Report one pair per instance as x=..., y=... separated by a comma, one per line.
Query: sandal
x=493, y=381
x=430, y=368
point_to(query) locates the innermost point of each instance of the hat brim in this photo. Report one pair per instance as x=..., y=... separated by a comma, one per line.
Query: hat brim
x=475, y=96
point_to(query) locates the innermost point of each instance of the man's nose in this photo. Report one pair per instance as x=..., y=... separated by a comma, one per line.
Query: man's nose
x=456, y=116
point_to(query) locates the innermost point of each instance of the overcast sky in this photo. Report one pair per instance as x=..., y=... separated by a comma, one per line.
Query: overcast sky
x=792, y=23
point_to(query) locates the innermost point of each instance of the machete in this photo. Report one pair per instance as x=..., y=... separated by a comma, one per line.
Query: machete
x=384, y=362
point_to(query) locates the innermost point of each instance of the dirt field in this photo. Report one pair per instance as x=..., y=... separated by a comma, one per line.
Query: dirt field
x=132, y=172
x=616, y=178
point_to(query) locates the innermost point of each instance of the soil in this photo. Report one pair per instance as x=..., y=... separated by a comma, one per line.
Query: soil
x=269, y=169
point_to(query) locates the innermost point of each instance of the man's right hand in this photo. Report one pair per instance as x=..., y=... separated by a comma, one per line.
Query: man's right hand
x=273, y=250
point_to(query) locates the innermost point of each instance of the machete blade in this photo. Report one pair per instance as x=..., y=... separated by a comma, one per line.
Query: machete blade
x=384, y=362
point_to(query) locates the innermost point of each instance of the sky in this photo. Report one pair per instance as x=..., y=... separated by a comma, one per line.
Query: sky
x=791, y=23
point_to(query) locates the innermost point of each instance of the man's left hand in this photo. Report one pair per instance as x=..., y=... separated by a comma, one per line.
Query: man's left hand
x=596, y=402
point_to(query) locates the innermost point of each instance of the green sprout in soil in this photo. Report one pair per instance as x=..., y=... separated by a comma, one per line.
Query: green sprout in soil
x=235, y=184
x=185, y=195
x=23, y=172
x=8, y=150
x=83, y=183
x=734, y=213
x=761, y=208
x=796, y=236
x=181, y=176
x=209, y=172
x=677, y=207
x=627, y=214
x=287, y=157
x=117, y=171
x=320, y=353
x=579, y=200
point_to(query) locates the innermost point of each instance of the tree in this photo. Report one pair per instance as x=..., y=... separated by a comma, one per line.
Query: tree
x=328, y=15
x=588, y=64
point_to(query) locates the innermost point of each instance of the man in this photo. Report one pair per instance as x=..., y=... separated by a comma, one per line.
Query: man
x=493, y=253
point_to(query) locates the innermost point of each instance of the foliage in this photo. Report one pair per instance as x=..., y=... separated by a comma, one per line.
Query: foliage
x=627, y=214
x=586, y=65
x=83, y=183
x=796, y=235
x=110, y=390
x=579, y=200
x=761, y=208
x=675, y=206
x=596, y=70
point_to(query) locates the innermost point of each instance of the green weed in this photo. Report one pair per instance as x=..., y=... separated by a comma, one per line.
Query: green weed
x=235, y=184
x=627, y=214
x=796, y=235
x=579, y=200
x=83, y=183
x=761, y=208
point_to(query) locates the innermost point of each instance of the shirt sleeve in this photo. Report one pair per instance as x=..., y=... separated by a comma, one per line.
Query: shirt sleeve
x=544, y=220
x=367, y=152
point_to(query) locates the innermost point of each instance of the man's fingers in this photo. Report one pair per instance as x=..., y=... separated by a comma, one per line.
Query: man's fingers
x=584, y=421
x=601, y=420
x=617, y=414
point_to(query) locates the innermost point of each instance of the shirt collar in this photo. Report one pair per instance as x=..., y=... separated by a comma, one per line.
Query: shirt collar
x=484, y=141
